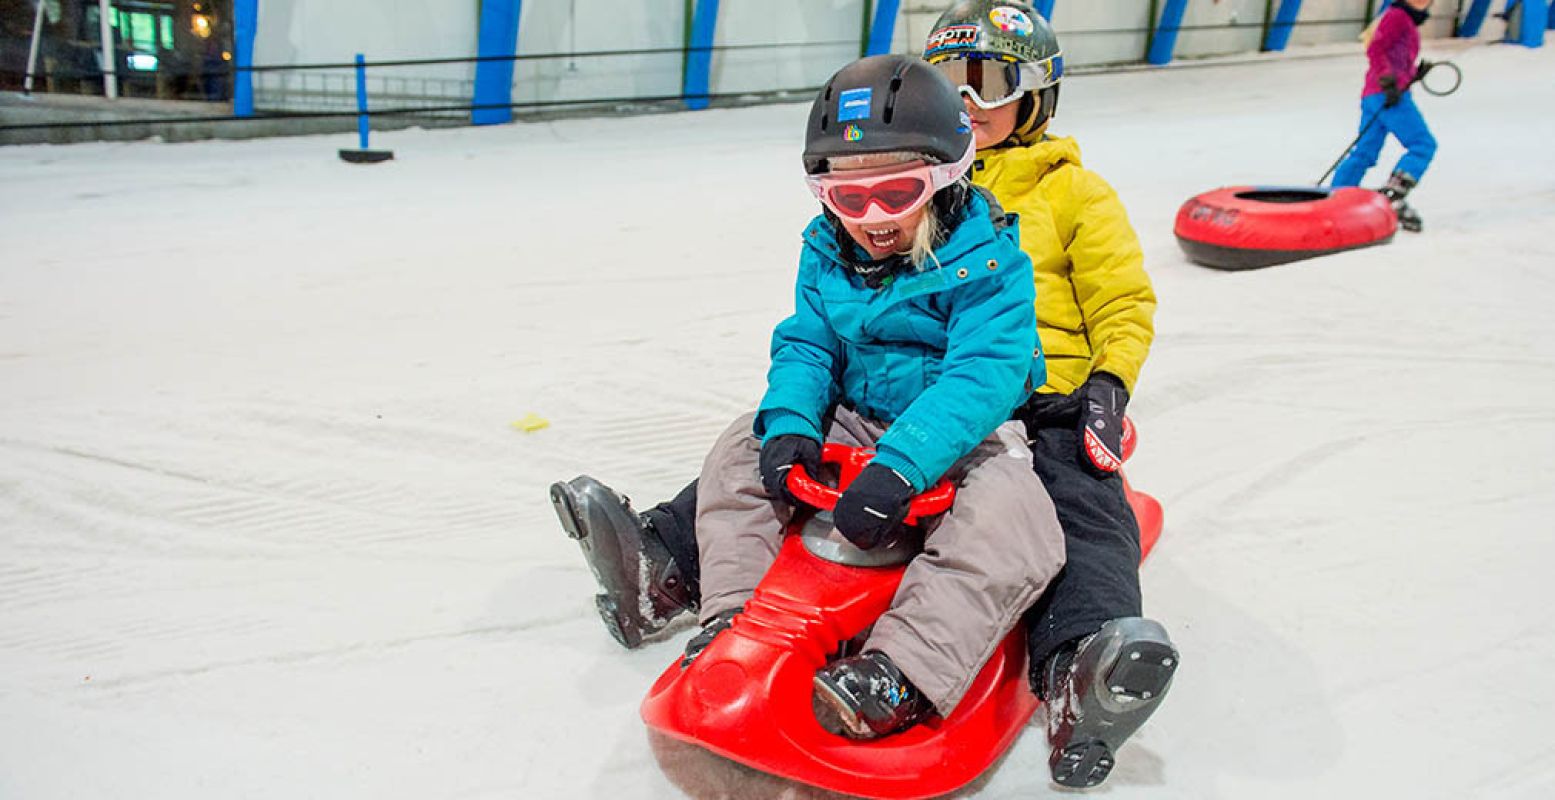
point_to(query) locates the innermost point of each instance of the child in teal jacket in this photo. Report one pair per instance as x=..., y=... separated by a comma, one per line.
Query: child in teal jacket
x=914, y=333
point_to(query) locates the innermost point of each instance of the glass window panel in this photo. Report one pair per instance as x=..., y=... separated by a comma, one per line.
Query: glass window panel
x=143, y=31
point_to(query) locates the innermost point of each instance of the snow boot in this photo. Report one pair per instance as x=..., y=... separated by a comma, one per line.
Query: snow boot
x=641, y=587
x=1099, y=692
x=1408, y=218
x=1398, y=188
x=866, y=697
x=704, y=637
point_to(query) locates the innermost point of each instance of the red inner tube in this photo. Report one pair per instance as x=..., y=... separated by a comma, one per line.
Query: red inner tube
x=1246, y=227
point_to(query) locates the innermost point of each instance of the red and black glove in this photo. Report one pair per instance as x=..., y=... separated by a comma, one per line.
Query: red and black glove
x=779, y=455
x=1103, y=400
x=1391, y=89
x=872, y=507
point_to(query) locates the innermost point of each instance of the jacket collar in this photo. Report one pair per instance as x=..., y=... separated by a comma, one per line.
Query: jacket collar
x=1024, y=162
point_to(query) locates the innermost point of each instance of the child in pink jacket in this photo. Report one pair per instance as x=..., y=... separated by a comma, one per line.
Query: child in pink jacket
x=1387, y=107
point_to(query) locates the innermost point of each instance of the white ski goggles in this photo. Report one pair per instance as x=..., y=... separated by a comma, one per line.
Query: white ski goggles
x=991, y=84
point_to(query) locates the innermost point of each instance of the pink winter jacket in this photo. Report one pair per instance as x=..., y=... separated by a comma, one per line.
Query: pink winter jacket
x=1394, y=48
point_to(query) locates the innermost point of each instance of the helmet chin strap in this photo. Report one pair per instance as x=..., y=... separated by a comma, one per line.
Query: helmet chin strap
x=1036, y=112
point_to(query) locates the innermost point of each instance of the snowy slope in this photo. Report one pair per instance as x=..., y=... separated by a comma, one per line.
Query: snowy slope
x=267, y=531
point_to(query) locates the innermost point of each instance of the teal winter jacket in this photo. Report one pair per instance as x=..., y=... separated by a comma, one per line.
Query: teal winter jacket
x=942, y=355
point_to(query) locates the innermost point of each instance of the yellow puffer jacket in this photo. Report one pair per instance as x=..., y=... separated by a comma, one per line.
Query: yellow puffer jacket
x=1095, y=307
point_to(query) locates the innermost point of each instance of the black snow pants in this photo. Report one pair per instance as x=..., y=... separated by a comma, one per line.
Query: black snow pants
x=675, y=522
x=1099, y=582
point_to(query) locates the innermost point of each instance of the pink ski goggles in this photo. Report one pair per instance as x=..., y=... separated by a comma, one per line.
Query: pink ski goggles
x=887, y=193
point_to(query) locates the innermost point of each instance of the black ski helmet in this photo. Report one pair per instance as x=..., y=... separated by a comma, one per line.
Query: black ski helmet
x=886, y=104
x=1010, y=31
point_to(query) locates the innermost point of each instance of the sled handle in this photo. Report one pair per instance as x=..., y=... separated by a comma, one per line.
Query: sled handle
x=852, y=460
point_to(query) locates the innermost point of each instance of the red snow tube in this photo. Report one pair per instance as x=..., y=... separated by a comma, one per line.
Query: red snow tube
x=1248, y=227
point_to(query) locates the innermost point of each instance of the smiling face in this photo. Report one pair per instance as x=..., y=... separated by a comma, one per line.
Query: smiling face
x=880, y=239
x=991, y=126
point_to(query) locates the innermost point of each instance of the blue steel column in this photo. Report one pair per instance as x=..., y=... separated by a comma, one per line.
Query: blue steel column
x=884, y=30
x=498, y=40
x=1045, y=8
x=362, y=123
x=1474, y=19
x=699, y=56
x=1165, y=42
x=1536, y=18
x=245, y=25
x=1284, y=24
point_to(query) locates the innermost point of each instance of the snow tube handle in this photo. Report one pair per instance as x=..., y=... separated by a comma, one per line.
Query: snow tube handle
x=851, y=461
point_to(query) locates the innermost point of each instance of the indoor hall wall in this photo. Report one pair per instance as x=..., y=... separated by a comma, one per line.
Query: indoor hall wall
x=825, y=35
x=1093, y=32
x=334, y=31
x=583, y=26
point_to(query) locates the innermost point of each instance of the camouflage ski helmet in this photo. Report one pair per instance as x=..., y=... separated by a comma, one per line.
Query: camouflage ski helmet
x=1009, y=31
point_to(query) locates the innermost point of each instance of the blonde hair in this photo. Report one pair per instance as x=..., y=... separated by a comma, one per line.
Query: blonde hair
x=924, y=240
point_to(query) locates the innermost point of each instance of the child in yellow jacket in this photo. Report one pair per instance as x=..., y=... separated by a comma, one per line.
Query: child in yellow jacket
x=1095, y=310
x=1102, y=668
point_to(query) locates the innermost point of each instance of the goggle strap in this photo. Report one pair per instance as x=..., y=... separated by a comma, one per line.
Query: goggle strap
x=947, y=174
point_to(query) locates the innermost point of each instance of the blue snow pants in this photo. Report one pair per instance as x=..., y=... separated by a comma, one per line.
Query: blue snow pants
x=1405, y=123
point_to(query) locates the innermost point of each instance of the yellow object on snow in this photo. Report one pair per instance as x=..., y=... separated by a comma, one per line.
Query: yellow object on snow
x=531, y=423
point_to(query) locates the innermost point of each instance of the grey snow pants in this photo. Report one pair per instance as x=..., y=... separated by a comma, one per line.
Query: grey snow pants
x=984, y=562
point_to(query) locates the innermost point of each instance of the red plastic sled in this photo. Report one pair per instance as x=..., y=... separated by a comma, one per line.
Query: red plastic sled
x=1250, y=227
x=748, y=696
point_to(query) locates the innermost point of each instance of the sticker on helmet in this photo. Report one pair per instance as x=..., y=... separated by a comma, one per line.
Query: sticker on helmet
x=1012, y=20
x=1020, y=49
x=854, y=104
x=966, y=124
x=853, y=133
x=952, y=37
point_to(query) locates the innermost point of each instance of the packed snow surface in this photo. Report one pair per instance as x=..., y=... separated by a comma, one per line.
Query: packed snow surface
x=269, y=531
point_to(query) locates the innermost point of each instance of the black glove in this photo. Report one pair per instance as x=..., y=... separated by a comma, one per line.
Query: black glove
x=1390, y=88
x=781, y=453
x=873, y=506
x=1102, y=403
x=1421, y=69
